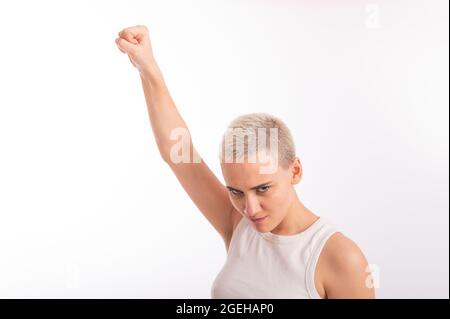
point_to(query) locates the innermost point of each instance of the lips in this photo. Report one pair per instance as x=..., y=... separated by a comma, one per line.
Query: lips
x=257, y=220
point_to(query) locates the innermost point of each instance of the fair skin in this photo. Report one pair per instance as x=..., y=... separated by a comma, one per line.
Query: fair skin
x=341, y=269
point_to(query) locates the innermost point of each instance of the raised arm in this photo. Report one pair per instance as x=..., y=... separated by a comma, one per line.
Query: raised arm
x=202, y=186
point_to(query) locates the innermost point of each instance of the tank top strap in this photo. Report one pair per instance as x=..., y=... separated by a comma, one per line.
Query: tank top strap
x=318, y=241
x=237, y=233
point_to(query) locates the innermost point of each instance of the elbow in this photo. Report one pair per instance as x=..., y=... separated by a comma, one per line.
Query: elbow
x=179, y=152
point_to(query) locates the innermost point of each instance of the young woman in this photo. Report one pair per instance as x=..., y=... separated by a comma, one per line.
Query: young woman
x=276, y=247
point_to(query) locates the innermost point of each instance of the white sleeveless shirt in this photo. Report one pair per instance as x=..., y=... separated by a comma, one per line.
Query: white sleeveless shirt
x=271, y=266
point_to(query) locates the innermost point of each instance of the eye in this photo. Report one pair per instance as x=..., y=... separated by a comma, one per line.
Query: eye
x=263, y=189
x=235, y=192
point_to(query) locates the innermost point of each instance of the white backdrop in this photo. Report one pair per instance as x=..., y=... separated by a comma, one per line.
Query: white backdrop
x=89, y=210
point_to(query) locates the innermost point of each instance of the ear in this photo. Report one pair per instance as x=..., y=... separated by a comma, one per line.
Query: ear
x=297, y=171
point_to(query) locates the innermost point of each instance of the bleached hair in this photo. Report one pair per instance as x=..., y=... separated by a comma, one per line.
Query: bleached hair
x=251, y=133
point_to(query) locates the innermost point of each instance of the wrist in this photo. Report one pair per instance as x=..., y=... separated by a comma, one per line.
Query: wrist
x=151, y=72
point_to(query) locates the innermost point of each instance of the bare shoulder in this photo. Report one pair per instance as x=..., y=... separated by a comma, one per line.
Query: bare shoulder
x=343, y=254
x=342, y=270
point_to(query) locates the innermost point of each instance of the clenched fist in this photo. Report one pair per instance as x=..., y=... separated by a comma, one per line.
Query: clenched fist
x=135, y=42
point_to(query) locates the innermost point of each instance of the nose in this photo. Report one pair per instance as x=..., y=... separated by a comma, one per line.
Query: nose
x=252, y=206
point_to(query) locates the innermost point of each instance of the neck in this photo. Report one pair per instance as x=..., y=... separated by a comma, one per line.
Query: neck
x=297, y=219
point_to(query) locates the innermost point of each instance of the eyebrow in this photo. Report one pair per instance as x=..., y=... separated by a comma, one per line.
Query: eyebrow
x=254, y=187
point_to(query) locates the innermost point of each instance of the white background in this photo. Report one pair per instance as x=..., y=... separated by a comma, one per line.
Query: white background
x=89, y=210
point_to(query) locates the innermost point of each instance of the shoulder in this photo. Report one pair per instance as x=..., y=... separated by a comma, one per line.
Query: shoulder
x=343, y=254
x=342, y=269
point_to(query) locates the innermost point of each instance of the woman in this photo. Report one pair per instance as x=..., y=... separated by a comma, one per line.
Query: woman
x=276, y=247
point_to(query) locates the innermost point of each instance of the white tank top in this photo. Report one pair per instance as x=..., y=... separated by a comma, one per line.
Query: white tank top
x=270, y=266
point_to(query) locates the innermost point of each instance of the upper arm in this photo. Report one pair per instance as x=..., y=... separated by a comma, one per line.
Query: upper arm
x=208, y=194
x=343, y=270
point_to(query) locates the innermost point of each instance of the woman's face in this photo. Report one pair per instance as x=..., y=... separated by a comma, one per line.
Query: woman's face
x=256, y=195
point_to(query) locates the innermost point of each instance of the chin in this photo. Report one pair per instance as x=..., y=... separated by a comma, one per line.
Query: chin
x=263, y=228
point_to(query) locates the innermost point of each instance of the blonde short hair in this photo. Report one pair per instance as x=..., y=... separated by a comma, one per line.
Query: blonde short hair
x=250, y=126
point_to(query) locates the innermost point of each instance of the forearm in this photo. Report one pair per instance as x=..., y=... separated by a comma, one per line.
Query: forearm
x=162, y=111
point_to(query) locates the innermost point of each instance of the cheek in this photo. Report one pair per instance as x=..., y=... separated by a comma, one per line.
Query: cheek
x=278, y=202
x=237, y=204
